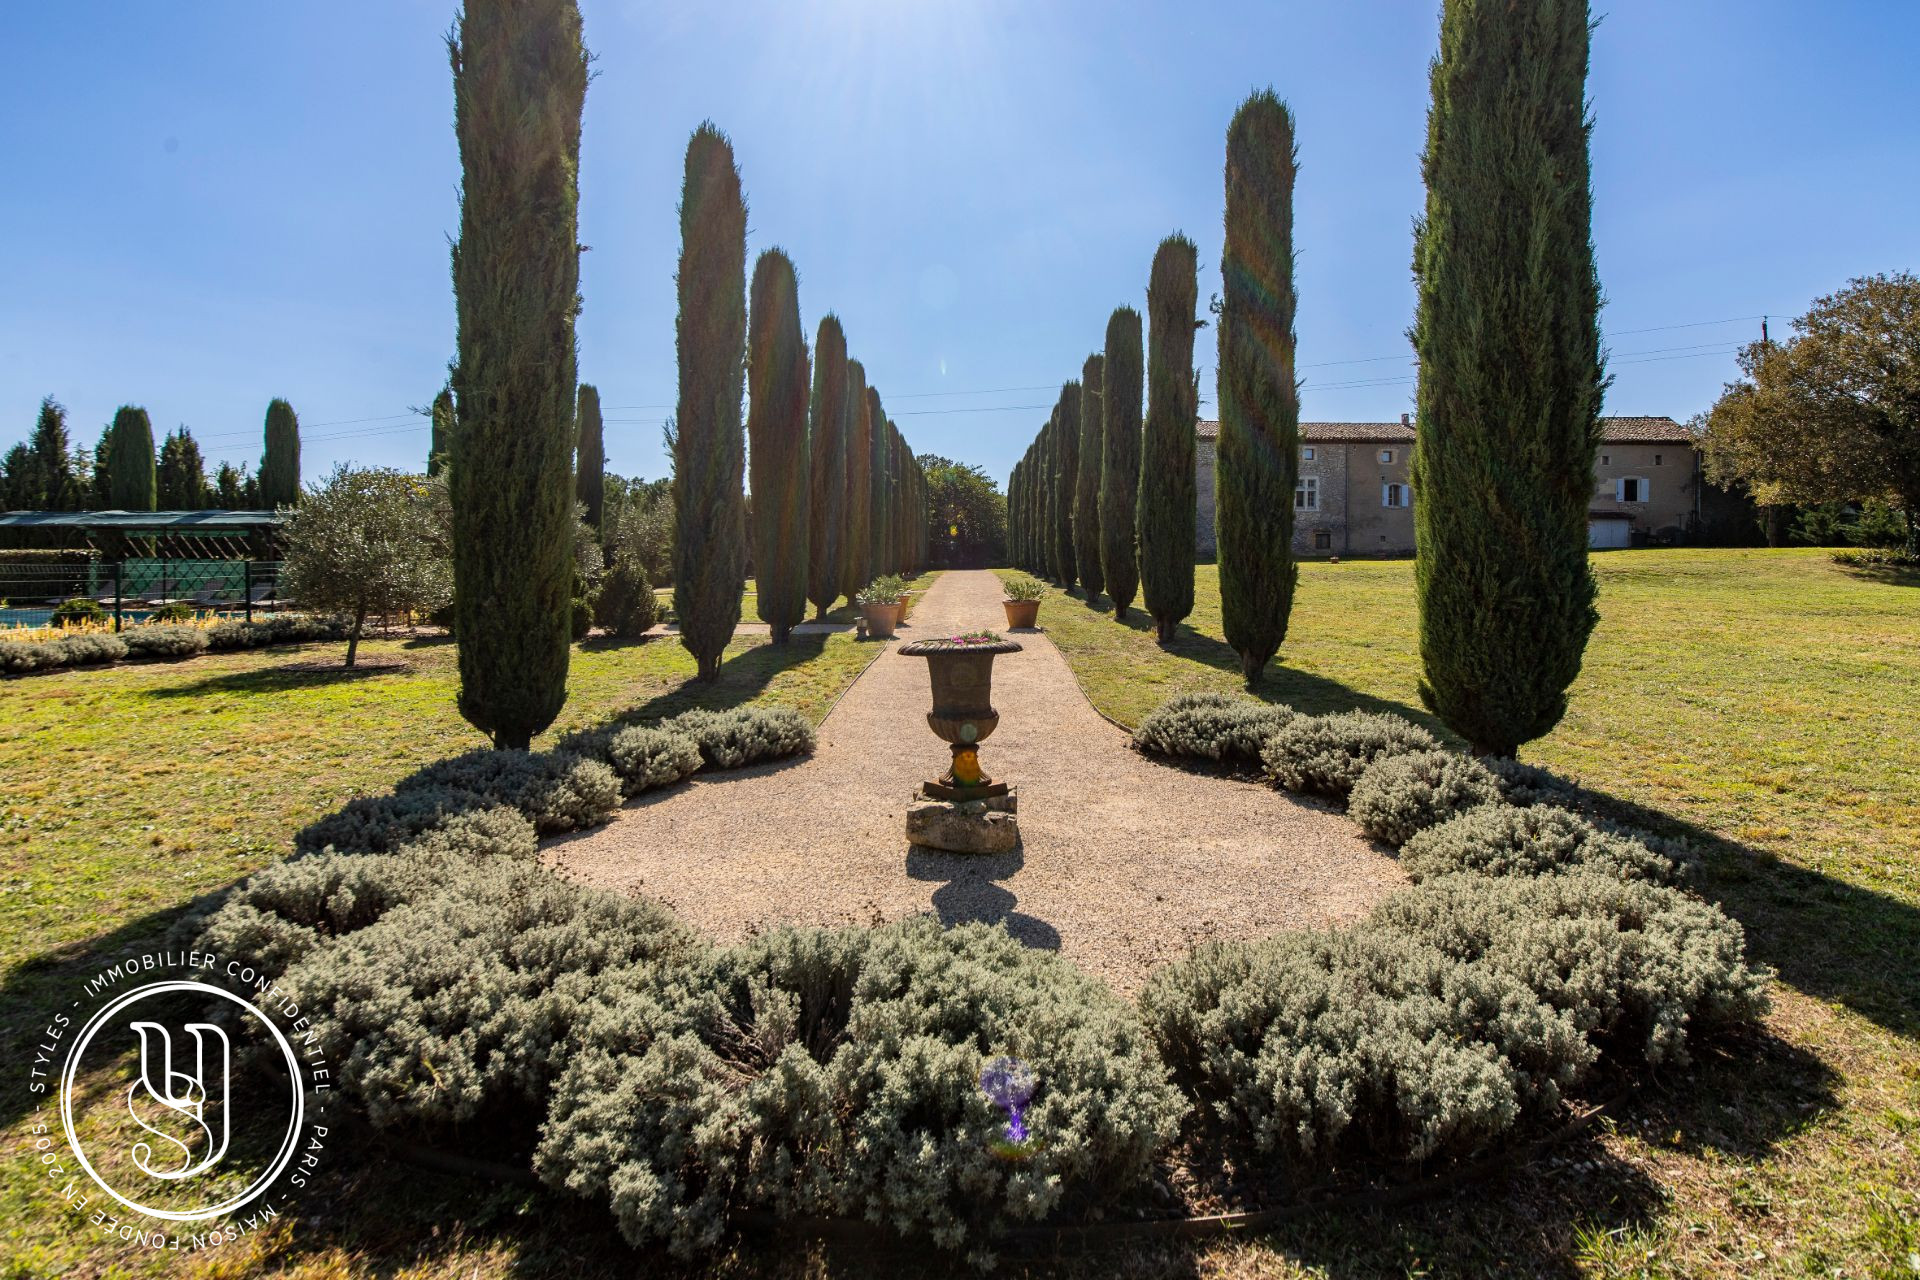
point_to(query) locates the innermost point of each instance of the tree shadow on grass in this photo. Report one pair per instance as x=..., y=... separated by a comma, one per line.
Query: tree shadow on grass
x=743, y=677
x=275, y=680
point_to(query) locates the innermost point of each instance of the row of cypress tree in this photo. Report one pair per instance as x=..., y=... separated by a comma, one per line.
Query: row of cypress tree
x=126, y=472
x=1510, y=387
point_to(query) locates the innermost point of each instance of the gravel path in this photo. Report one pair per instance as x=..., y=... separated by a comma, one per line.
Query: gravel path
x=1124, y=864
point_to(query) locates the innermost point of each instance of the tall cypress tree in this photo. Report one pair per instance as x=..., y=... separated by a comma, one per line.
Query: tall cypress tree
x=827, y=445
x=1120, y=460
x=1257, y=460
x=280, y=462
x=440, y=444
x=1167, y=486
x=877, y=492
x=709, y=553
x=519, y=82
x=132, y=481
x=777, y=378
x=856, y=565
x=1087, y=477
x=1511, y=376
x=590, y=456
x=181, y=476
x=1066, y=479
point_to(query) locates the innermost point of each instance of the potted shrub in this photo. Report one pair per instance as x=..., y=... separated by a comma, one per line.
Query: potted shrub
x=880, y=607
x=1023, y=602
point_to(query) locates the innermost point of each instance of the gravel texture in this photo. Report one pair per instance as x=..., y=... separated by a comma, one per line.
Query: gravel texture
x=1124, y=863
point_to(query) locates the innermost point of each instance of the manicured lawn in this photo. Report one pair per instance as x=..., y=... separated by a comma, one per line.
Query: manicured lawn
x=1766, y=704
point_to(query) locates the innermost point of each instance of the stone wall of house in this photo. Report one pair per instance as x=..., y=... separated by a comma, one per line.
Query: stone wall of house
x=1373, y=527
x=1320, y=530
x=1205, y=452
x=1667, y=482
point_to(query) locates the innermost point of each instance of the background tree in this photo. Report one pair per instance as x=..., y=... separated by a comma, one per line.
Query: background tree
x=182, y=476
x=132, y=482
x=280, y=463
x=856, y=563
x=234, y=489
x=1508, y=336
x=1087, y=477
x=1257, y=459
x=520, y=80
x=1120, y=459
x=19, y=479
x=778, y=377
x=364, y=542
x=1168, y=495
x=57, y=478
x=590, y=458
x=709, y=567
x=1833, y=413
x=440, y=443
x=827, y=471
x=966, y=512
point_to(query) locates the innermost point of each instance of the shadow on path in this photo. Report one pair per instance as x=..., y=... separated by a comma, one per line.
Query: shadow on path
x=970, y=893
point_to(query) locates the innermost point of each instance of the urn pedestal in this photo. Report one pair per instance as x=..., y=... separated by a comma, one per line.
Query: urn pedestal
x=964, y=809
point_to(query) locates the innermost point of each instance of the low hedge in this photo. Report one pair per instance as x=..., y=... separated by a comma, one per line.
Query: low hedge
x=1500, y=840
x=163, y=640
x=557, y=790
x=838, y=1072
x=1327, y=754
x=1211, y=726
x=744, y=735
x=1399, y=796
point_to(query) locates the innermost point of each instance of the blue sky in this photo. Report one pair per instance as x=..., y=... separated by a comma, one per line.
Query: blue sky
x=213, y=203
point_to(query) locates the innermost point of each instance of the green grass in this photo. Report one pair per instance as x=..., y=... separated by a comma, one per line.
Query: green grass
x=1767, y=705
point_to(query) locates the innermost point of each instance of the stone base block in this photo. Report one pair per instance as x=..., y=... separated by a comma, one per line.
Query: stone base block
x=966, y=826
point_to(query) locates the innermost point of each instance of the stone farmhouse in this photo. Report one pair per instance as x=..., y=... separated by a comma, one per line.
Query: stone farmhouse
x=1353, y=497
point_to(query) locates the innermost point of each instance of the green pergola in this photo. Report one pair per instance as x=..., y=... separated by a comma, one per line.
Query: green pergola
x=170, y=535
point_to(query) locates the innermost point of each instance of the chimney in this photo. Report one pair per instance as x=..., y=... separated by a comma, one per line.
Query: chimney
x=1406, y=420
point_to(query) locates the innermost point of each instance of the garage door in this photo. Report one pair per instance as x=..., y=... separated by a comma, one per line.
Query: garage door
x=1608, y=535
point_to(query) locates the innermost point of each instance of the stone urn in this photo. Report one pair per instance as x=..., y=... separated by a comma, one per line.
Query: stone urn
x=961, y=668
x=1021, y=613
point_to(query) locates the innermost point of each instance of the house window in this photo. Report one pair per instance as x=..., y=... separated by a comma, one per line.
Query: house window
x=1323, y=539
x=1306, y=494
x=1395, y=495
x=1306, y=455
x=1606, y=460
x=1656, y=459
x=1630, y=489
x=1386, y=455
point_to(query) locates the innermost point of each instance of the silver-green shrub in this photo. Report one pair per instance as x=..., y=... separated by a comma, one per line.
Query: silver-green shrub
x=643, y=756
x=1211, y=726
x=381, y=824
x=1360, y=1041
x=1501, y=840
x=559, y=791
x=744, y=735
x=84, y=648
x=1527, y=785
x=1639, y=967
x=837, y=1072
x=1327, y=754
x=17, y=658
x=164, y=641
x=1399, y=796
x=461, y=1002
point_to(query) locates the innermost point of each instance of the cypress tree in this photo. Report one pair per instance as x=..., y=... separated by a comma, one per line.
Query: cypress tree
x=441, y=443
x=1086, y=491
x=1066, y=479
x=519, y=81
x=1046, y=549
x=590, y=457
x=56, y=484
x=777, y=378
x=1167, y=488
x=280, y=462
x=1507, y=331
x=181, y=476
x=827, y=475
x=1257, y=460
x=856, y=568
x=1120, y=460
x=132, y=481
x=877, y=491
x=709, y=553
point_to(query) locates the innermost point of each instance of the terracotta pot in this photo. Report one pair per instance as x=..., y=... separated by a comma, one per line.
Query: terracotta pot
x=1022, y=613
x=881, y=619
x=906, y=605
